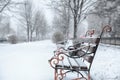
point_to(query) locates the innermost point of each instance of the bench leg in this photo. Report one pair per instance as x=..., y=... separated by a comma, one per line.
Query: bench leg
x=55, y=74
x=89, y=76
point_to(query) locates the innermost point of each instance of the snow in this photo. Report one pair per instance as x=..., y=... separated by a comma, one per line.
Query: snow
x=106, y=63
x=29, y=61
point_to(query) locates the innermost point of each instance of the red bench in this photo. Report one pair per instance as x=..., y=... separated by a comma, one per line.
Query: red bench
x=76, y=59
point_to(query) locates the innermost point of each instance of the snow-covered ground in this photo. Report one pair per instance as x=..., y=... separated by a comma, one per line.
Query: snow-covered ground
x=106, y=65
x=29, y=61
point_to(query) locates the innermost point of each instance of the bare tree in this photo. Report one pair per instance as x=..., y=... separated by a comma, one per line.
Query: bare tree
x=40, y=25
x=33, y=21
x=78, y=9
x=26, y=14
x=62, y=16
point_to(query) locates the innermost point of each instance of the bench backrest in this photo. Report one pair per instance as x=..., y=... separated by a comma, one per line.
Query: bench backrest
x=91, y=48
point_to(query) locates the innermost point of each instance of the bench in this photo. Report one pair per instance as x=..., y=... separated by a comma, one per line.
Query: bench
x=76, y=59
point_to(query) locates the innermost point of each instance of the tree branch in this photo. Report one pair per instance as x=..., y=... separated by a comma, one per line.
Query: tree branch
x=4, y=6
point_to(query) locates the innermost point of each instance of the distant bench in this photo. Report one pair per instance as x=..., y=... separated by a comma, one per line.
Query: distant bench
x=76, y=59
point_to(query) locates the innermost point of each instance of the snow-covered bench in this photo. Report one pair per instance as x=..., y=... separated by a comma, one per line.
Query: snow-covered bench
x=76, y=59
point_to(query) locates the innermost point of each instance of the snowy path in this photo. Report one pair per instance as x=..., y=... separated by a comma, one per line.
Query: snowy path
x=29, y=61
x=26, y=61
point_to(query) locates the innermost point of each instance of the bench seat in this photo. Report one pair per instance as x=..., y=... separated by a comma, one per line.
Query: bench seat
x=73, y=68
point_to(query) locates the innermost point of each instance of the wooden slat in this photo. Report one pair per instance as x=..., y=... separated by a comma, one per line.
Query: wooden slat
x=66, y=67
x=92, y=49
x=88, y=58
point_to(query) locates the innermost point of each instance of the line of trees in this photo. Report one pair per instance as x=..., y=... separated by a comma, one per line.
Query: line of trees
x=68, y=16
x=31, y=23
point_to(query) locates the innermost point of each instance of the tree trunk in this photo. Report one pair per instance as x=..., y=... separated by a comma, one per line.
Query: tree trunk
x=31, y=38
x=28, y=37
x=37, y=37
x=75, y=28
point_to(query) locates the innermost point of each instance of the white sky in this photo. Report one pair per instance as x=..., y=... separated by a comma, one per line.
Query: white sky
x=42, y=4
